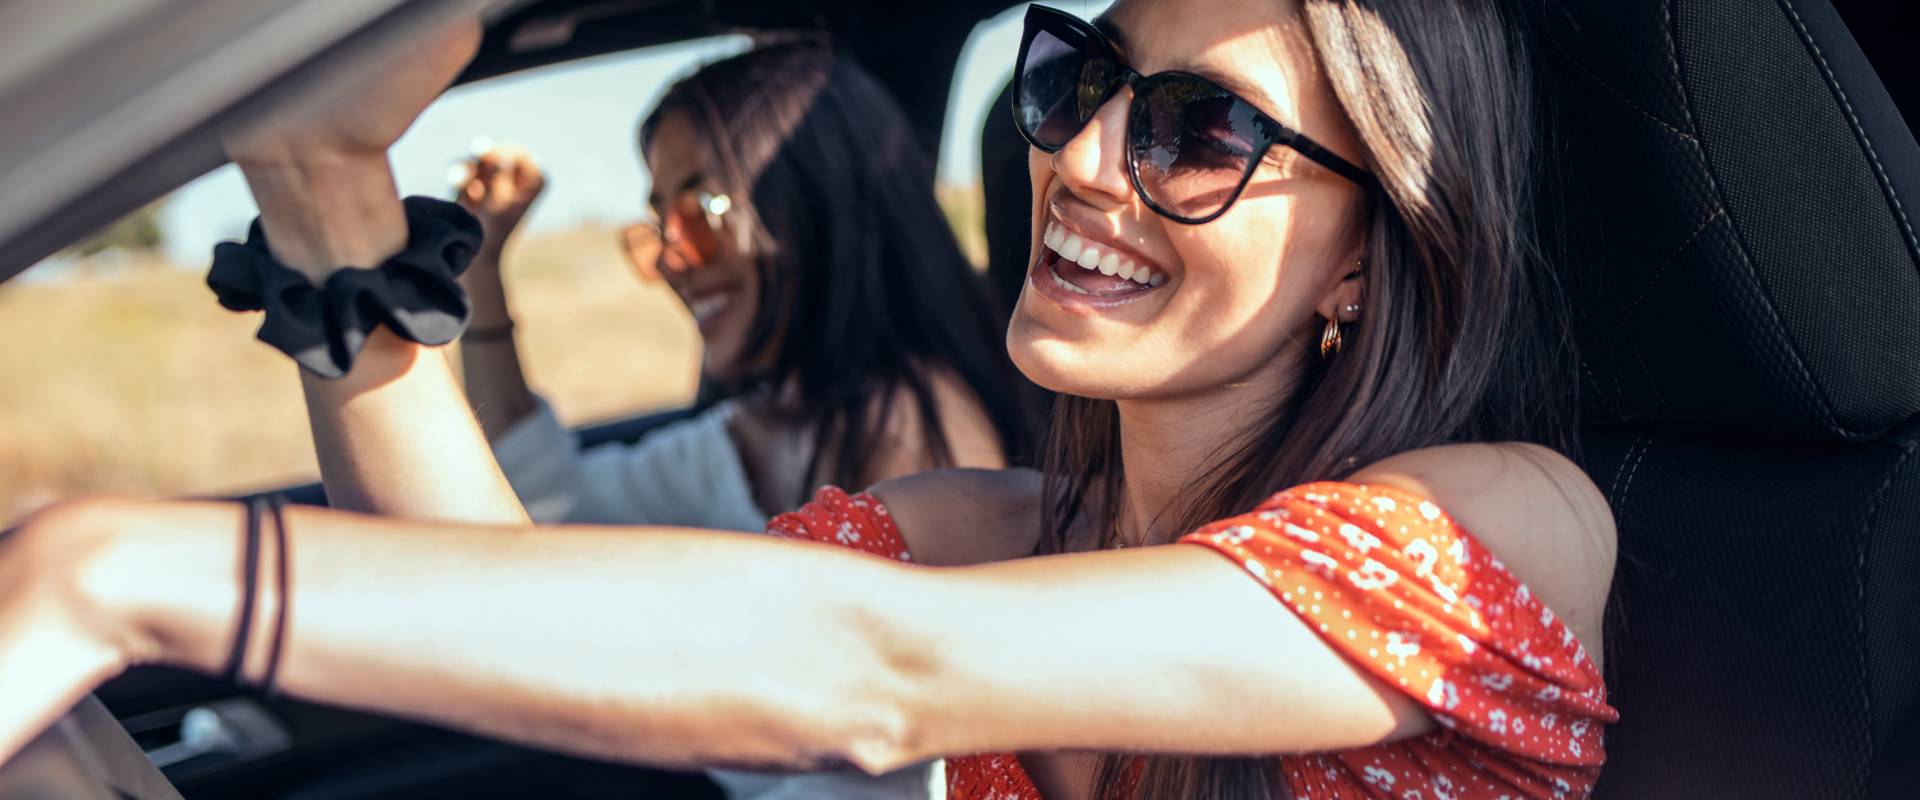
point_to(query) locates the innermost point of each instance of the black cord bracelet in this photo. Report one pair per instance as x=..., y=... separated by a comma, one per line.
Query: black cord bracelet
x=249, y=589
x=497, y=333
x=414, y=293
x=277, y=504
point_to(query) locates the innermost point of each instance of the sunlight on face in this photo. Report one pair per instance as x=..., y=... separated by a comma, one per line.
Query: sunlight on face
x=1237, y=305
x=722, y=296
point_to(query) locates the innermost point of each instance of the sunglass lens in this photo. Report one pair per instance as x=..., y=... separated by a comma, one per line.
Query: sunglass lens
x=688, y=231
x=1193, y=144
x=1061, y=87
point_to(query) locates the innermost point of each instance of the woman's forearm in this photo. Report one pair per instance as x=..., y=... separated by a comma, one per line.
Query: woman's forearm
x=687, y=648
x=490, y=362
x=669, y=647
x=391, y=435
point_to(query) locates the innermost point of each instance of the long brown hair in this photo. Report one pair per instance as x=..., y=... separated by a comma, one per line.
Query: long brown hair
x=857, y=264
x=1465, y=335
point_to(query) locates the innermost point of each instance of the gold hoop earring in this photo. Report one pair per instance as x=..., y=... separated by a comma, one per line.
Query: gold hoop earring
x=1330, y=338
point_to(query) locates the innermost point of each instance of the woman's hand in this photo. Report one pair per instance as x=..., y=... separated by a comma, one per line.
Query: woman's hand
x=364, y=119
x=503, y=184
x=55, y=645
x=319, y=171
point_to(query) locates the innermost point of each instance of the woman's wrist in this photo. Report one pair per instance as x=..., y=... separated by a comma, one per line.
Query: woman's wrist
x=154, y=582
x=486, y=292
x=78, y=574
x=321, y=214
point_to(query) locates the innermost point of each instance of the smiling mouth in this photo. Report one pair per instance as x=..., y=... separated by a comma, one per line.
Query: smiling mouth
x=1095, y=258
x=1078, y=270
x=710, y=305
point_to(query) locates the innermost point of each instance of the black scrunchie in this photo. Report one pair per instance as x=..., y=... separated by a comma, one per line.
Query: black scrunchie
x=324, y=328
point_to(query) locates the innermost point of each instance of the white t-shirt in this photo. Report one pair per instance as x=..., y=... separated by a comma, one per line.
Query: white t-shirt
x=686, y=474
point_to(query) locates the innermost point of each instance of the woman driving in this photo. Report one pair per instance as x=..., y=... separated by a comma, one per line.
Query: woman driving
x=1305, y=526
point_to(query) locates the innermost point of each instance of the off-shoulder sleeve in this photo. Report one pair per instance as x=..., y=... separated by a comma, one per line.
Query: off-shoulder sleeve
x=1388, y=580
x=858, y=521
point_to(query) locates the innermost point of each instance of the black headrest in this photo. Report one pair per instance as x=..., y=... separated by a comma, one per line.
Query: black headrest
x=1741, y=199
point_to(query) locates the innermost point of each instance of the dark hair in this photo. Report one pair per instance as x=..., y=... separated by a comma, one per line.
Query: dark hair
x=858, y=267
x=1465, y=336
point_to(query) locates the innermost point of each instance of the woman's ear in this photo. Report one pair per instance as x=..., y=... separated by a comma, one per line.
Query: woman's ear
x=1342, y=301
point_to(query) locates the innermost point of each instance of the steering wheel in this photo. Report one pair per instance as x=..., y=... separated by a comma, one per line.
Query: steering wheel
x=84, y=756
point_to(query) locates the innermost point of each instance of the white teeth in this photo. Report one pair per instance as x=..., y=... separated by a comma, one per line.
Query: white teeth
x=1089, y=258
x=704, y=308
x=1070, y=249
x=1088, y=255
x=1057, y=281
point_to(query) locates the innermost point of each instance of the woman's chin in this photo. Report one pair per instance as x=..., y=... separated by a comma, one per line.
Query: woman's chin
x=720, y=373
x=1071, y=368
x=720, y=367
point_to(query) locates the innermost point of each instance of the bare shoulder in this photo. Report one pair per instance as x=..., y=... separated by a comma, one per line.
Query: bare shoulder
x=971, y=438
x=953, y=517
x=1535, y=509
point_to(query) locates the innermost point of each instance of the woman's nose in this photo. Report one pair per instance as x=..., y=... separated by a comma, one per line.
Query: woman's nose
x=1093, y=163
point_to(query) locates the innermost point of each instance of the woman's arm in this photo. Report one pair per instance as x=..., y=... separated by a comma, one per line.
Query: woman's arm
x=394, y=435
x=681, y=647
x=684, y=648
x=503, y=186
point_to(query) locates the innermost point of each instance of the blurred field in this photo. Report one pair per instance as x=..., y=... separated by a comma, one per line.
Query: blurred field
x=134, y=380
x=966, y=211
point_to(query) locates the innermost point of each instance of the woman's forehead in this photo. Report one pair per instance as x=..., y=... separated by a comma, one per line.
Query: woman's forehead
x=1254, y=48
x=674, y=157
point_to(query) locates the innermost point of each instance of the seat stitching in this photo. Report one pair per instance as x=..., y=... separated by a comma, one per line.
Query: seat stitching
x=1646, y=290
x=1860, y=581
x=1617, y=95
x=1588, y=369
x=1775, y=329
x=1853, y=122
x=1613, y=486
x=1646, y=443
x=1613, y=489
x=1613, y=347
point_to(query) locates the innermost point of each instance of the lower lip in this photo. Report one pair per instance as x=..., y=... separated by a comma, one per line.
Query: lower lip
x=1042, y=277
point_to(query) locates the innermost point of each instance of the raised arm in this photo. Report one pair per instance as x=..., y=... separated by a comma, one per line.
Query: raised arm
x=394, y=435
x=504, y=184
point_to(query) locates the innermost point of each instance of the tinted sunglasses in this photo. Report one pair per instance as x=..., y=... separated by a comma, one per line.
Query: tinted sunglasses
x=686, y=238
x=1191, y=145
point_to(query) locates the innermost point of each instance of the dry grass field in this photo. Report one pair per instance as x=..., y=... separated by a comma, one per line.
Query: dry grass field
x=133, y=380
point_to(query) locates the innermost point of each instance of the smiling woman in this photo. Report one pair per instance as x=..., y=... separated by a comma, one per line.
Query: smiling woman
x=1268, y=569
x=791, y=202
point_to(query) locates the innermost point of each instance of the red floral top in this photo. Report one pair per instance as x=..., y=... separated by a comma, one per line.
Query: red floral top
x=1389, y=581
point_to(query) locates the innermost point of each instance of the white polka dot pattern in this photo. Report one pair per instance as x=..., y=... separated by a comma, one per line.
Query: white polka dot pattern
x=1386, y=579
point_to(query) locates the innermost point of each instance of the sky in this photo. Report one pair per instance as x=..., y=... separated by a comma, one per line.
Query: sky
x=579, y=120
